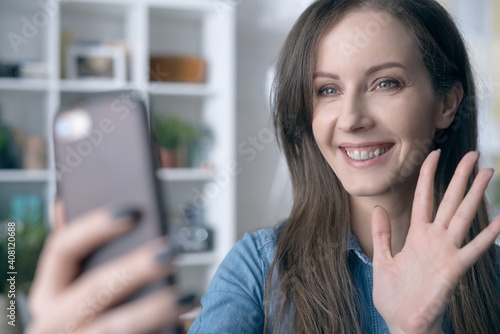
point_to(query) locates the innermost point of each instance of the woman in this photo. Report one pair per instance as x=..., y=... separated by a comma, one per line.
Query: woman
x=365, y=89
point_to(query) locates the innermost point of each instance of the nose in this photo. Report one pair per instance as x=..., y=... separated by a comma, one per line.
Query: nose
x=354, y=116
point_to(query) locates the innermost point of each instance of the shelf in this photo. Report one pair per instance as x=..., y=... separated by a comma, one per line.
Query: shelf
x=92, y=86
x=150, y=28
x=192, y=5
x=23, y=84
x=184, y=174
x=24, y=176
x=196, y=259
x=180, y=89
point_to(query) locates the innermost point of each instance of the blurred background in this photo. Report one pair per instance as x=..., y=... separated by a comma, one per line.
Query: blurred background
x=204, y=68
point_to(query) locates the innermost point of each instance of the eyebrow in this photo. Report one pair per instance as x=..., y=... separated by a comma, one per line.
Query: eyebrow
x=371, y=70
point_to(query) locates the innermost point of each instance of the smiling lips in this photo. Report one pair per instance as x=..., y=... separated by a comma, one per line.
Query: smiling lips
x=360, y=153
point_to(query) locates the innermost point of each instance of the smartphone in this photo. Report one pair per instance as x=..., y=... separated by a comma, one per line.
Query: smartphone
x=104, y=157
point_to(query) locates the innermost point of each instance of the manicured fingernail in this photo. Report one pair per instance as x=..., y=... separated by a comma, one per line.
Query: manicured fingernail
x=438, y=150
x=186, y=300
x=167, y=254
x=172, y=280
x=133, y=214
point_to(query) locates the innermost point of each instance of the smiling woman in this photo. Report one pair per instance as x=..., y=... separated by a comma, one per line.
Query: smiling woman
x=375, y=109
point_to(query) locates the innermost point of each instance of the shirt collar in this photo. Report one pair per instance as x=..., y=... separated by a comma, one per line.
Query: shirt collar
x=353, y=245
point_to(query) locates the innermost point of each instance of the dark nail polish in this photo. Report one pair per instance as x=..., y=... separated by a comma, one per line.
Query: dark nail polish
x=167, y=254
x=128, y=213
x=171, y=280
x=186, y=300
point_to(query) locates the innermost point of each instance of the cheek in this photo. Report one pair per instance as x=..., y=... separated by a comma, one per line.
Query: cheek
x=413, y=119
x=323, y=128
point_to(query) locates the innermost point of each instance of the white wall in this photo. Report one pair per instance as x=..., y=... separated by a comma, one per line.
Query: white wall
x=258, y=44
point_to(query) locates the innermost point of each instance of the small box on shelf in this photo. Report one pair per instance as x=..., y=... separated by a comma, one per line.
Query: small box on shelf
x=187, y=69
x=96, y=61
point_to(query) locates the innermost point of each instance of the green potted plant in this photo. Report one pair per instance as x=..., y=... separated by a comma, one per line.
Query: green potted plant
x=171, y=133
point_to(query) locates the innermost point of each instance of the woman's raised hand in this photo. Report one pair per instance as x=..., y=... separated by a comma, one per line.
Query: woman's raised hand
x=413, y=288
x=62, y=302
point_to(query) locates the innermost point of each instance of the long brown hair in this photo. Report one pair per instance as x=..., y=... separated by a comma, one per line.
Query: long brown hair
x=315, y=290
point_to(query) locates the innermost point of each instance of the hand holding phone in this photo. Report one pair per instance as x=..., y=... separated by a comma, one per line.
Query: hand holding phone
x=107, y=252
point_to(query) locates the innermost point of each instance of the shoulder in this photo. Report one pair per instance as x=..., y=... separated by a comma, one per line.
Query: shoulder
x=265, y=241
x=251, y=256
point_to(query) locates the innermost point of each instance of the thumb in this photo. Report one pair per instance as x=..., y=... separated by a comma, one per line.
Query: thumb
x=381, y=234
x=58, y=212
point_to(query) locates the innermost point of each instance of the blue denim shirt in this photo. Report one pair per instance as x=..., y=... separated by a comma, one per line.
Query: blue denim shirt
x=234, y=302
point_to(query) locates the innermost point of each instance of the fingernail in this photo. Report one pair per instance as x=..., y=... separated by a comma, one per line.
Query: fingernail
x=167, y=254
x=133, y=214
x=172, y=280
x=377, y=206
x=438, y=150
x=186, y=300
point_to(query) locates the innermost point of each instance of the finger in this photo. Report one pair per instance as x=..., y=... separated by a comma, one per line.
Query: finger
x=101, y=288
x=464, y=216
x=109, y=284
x=423, y=202
x=64, y=249
x=456, y=190
x=381, y=234
x=59, y=220
x=471, y=252
x=116, y=280
x=146, y=315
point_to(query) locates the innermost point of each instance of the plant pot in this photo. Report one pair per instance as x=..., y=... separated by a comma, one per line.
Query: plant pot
x=168, y=158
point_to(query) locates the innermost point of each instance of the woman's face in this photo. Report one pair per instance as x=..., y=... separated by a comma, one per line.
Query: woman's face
x=374, y=108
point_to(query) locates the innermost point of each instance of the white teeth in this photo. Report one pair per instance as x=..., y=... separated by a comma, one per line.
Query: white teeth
x=365, y=155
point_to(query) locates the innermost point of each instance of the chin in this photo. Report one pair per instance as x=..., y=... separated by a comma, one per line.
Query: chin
x=367, y=189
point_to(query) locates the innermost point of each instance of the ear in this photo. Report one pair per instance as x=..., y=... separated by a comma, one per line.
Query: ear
x=448, y=106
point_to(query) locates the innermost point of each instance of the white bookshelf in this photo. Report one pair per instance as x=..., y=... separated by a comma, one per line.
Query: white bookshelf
x=193, y=27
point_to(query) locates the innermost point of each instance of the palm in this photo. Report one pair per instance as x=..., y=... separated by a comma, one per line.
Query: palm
x=412, y=288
